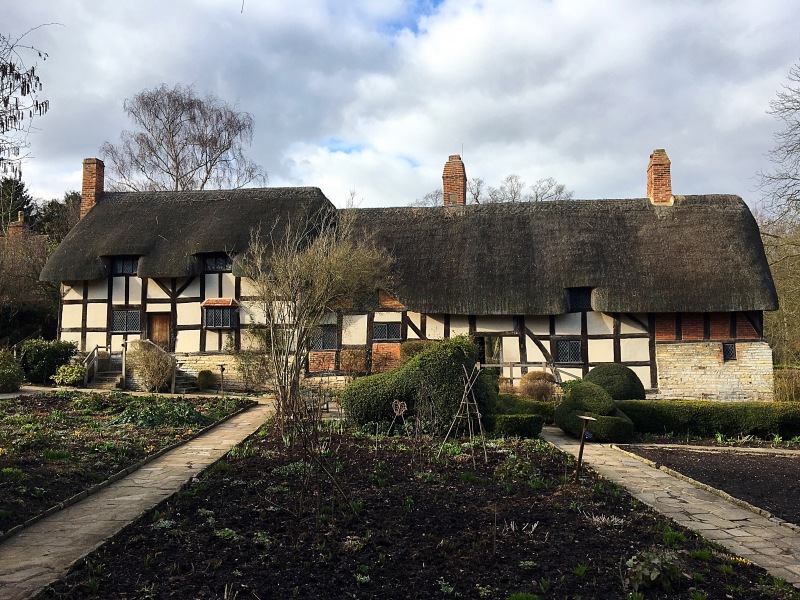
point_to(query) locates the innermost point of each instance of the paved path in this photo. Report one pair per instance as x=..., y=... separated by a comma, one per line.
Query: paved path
x=44, y=552
x=766, y=543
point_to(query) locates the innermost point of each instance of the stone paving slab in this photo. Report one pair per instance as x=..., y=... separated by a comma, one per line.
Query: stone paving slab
x=760, y=540
x=43, y=553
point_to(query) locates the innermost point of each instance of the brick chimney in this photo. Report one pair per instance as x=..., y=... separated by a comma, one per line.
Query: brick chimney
x=17, y=229
x=93, y=172
x=659, y=181
x=454, y=181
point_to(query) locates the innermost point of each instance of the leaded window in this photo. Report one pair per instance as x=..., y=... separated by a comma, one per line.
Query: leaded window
x=568, y=351
x=218, y=263
x=324, y=338
x=579, y=299
x=386, y=332
x=220, y=318
x=728, y=352
x=126, y=321
x=124, y=265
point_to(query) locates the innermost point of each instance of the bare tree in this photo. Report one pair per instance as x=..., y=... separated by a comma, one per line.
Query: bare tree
x=512, y=189
x=182, y=142
x=549, y=189
x=781, y=185
x=434, y=198
x=476, y=188
x=300, y=275
x=19, y=100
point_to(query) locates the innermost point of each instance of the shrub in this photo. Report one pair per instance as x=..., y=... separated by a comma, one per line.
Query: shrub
x=71, y=374
x=11, y=374
x=588, y=399
x=148, y=411
x=618, y=380
x=538, y=385
x=568, y=384
x=41, y=358
x=433, y=376
x=411, y=348
x=525, y=426
x=206, y=380
x=707, y=418
x=152, y=364
x=510, y=404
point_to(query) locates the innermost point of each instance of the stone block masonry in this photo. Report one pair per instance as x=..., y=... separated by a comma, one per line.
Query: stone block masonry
x=697, y=371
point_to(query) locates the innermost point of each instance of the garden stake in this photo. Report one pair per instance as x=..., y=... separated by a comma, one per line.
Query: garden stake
x=222, y=380
x=585, y=420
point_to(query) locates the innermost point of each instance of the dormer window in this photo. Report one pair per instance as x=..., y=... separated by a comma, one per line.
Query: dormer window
x=124, y=265
x=579, y=299
x=218, y=263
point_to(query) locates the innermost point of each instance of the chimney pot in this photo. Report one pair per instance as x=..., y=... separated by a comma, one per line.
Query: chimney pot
x=21, y=216
x=659, y=180
x=93, y=181
x=454, y=181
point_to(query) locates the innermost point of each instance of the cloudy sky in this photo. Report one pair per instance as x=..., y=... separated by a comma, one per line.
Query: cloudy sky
x=374, y=95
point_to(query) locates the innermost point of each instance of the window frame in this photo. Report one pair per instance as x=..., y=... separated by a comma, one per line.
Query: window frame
x=232, y=313
x=387, y=338
x=328, y=337
x=217, y=263
x=728, y=351
x=128, y=312
x=124, y=265
x=571, y=341
x=579, y=299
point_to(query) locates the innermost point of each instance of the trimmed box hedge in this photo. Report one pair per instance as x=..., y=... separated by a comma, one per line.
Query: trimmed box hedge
x=511, y=404
x=524, y=426
x=707, y=418
x=588, y=399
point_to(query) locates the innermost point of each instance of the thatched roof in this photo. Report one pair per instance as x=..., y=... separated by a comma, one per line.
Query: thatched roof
x=704, y=254
x=169, y=231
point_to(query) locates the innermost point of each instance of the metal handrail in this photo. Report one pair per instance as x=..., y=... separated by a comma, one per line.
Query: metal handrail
x=25, y=339
x=171, y=357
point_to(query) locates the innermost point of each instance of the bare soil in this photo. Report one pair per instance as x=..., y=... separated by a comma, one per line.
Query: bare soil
x=401, y=522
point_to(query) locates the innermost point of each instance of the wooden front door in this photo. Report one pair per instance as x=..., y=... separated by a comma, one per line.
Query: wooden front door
x=158, y=329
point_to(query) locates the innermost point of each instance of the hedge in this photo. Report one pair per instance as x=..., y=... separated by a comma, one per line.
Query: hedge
x=434, y=375
x=707, y=418
x=40, y=358
x=588, y=399
x=511, y=404
x=525, y=426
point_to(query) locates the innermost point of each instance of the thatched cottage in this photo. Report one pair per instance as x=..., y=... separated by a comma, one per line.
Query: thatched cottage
x=672, y=286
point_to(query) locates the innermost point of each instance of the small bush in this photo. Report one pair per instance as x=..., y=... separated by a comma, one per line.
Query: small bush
x=568, y=384
x=588, y=399
x=618, y=380
x=538, y=376
x=154, y=366
x=11, y=374
x=707, y=418
x=206, y=380
x=41, y=358
x=71, y=374
x=524, y=426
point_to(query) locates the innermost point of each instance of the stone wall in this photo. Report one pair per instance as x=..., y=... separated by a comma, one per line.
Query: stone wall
x=189, y=365
x=697, y=371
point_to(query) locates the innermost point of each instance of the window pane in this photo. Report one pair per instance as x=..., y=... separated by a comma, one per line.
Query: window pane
x=118, y=321
x=386, y=331
x=134, y=321
x=728, y=352
x=568, y=351
x=219, y=318
x=579, y=299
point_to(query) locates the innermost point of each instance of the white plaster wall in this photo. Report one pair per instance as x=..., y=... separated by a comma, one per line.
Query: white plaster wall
x=434, y=327
x=154, y=291
x=189, y=313
x=354, y=329
x=601, y=351
x=568, y=324
x=388, y=317
x=567, y=374
x=416, y=319
x=251, y=312
x=98, y=289
x=71, y=315
x=188, y=341
x=192, y=290
x=228, y=285
x=538, y=325
x=158, y=307
x=459, y=325
x=72, y=291
x=599, y=323
x=248, y=287
x=635, y=349
x=532, y=351
x=212, y=285
x=493, y=324
x=510, y=349
x=71, y=336
x=135, y=291
x=643, y=373
x=97, y=315
x=95, y=338
x=213, y=338
x=626, y=325
x=118, y=290
x=248, y=341
x=116, y=342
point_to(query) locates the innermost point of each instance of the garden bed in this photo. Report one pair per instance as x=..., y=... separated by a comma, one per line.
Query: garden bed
x=264, y=523
x=56, y=445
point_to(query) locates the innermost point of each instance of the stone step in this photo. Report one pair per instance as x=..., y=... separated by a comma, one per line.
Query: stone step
x=105, y=380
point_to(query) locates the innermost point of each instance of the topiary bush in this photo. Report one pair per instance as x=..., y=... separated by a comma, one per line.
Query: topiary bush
x=206, y=380
x=538, y=385
x=41, y=358
x=511, y=404
x=524, y=426
x=71, y=374
x=618, y=380
x=434, y=377
x=11, y=374
x=588, y=399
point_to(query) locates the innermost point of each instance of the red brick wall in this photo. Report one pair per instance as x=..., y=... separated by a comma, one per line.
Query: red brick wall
x=659, y=181
x=454, y=181
x=692, y=326
x=385, y=357
x=743, y=327
x=353, y=360
x=321, y=360
x=665, y=327
x=92, y=188
x=720, y=326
